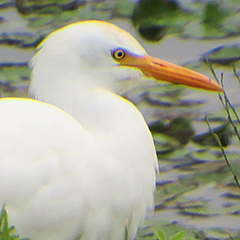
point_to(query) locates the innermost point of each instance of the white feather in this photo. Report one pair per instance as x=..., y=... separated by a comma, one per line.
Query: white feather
x=86, y=167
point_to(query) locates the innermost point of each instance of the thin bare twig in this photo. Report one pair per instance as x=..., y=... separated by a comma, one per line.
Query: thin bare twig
x=226, y=102
x=235, y=73
x=223, y=152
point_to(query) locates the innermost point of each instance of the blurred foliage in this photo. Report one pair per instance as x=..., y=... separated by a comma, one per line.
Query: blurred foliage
x=154, y=8
x=223, y=132
x=223, y=55
x=201, y=19
x=48, y=6
x=213, y=15
x=154, y=19
x=180, y=128
x=147, y=14
x=7, y=232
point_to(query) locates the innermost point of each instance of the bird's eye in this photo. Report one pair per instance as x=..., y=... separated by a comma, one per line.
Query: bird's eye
x=119, y=54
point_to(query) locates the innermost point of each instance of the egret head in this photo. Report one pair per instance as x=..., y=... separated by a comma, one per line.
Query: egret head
x=93, y=54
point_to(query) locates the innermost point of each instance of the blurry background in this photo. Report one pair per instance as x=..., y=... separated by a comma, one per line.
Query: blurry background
x=196, y=190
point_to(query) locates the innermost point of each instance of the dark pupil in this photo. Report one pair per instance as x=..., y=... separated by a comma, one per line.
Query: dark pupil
x=119, y=54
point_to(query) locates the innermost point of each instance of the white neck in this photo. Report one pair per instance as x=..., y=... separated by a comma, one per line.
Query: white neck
x=77, y=91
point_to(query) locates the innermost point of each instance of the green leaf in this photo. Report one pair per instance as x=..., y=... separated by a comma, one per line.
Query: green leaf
x=160, y=235
x=4, y=234
x=178, y=236
x=126, y=233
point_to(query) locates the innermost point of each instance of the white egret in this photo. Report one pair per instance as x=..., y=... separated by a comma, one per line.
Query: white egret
x=79, y=162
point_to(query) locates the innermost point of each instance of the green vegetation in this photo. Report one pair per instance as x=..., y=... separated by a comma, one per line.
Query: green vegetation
x=7, y=232
x=232, y=116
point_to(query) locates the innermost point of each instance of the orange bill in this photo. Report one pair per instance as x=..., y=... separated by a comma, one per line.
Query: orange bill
x=169, y=72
